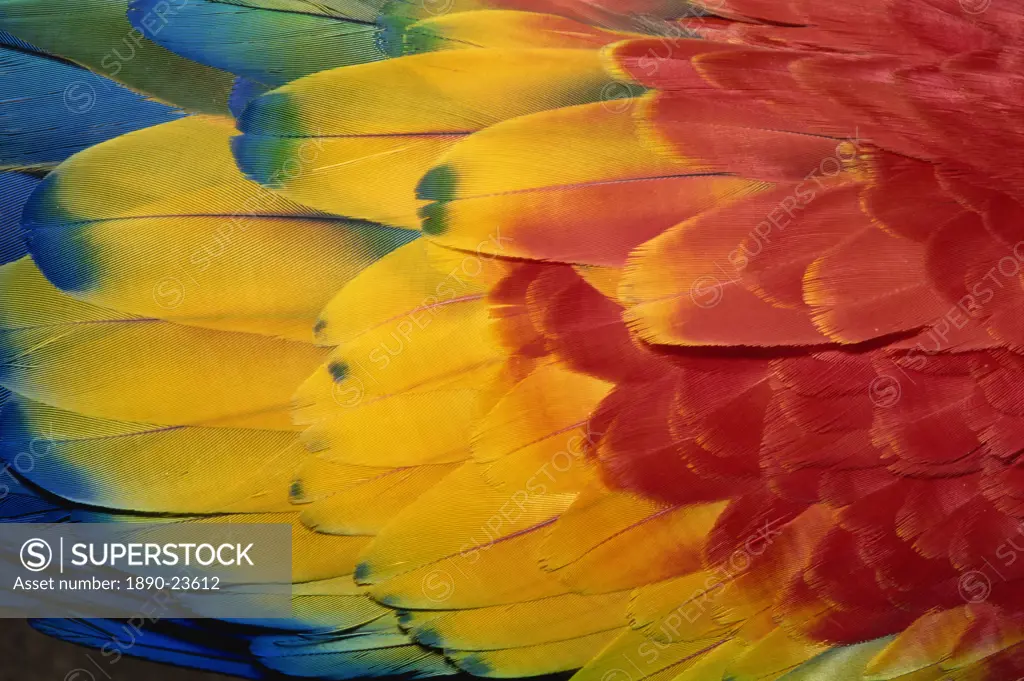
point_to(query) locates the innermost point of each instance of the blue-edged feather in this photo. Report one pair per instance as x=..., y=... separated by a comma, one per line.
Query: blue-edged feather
x=57, y=239
x=20, y=500
x=35, y=454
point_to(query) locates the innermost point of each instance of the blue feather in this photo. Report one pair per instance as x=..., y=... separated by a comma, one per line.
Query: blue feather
x=51, y=108
x=167, y=641
x=256, y=42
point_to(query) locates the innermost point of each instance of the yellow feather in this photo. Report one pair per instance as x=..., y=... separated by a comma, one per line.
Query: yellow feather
x=157, y=469
x=773, y=656
x=219, y=251
x=609, y=541
x=78, y=357
x=531, y=623
x=364, y=509
x=546, y=658
x=634, y=657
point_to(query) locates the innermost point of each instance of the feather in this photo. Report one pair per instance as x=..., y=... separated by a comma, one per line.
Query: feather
x=682, y=287
x=255, y=39
x=481, y=525
x=400, y=14
x=538, y=660
x=845, y=663
x=332, y=661
x=315, y=556
x=519, y=625
x=663, y=62
x=647, y=660
x=143, y=467
x=501, y=29
x=716, y=136
x=890, y=285
x=541, y=636
x=368, y=382
x=99, y=228
x=244, y=91
x=171, y=643
x=375, y=649
x=75, y=356
x=592, y=546
x=415, y=280
x=533, y=443
x=366, y=508
x=773, y=656
x=501, y=572
x=923, y=644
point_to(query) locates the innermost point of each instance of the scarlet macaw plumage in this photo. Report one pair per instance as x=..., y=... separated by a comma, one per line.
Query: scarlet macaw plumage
x=640, y=339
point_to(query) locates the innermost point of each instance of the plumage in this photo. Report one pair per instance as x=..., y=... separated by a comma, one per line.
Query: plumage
x=43, y=331
x=98, y=36
x=643, y=341
x=502, y=28
x=42, y=92
x=150, y=468
x=588, y=548
x=496, y=190
x=409, y=113
x=254, y=38
x=223, y=230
